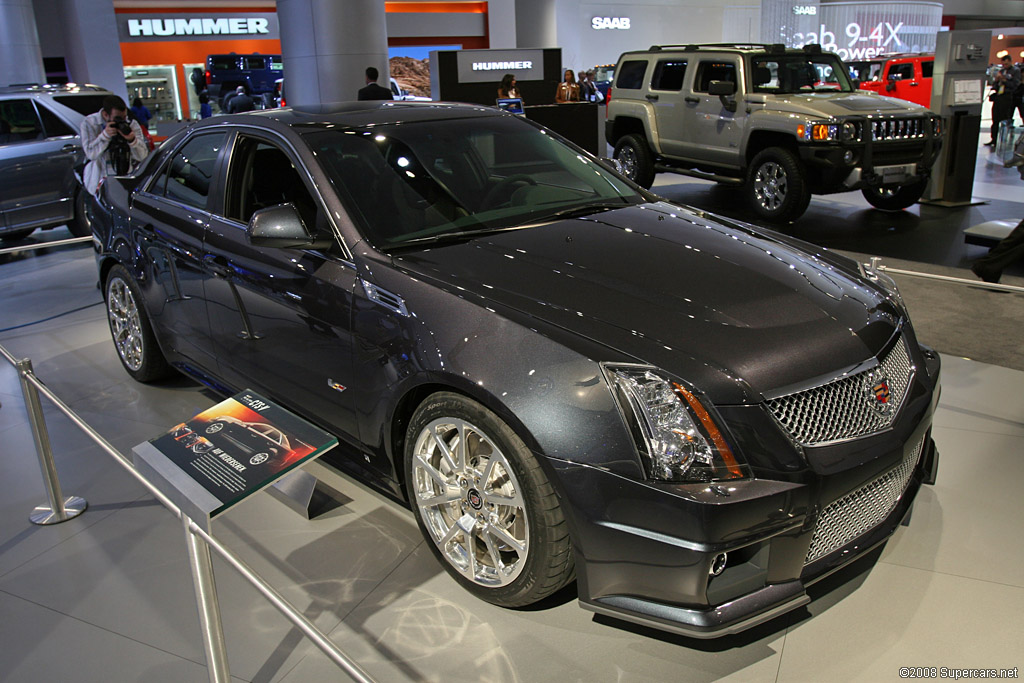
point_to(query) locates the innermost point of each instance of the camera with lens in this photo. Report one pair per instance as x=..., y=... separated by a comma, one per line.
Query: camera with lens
x=122, y=126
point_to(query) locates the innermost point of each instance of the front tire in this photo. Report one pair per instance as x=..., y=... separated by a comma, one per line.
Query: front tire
x=895, y=198
x=636, y=159
x=777, y=186
x=484, y=504
x=130, y=328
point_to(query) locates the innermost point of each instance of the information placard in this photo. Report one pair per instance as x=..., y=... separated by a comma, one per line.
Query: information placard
x=228, y=452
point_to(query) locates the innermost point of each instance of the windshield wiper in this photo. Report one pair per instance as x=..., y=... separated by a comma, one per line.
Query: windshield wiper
x=579, y=211
x=448, y=237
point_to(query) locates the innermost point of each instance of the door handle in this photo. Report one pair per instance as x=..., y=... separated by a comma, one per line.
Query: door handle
x=692, y=100
x=218, y=265
x=70, y=149
x=652, y=98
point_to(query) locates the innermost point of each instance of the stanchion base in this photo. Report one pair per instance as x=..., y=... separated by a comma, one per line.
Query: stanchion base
x=44, y=514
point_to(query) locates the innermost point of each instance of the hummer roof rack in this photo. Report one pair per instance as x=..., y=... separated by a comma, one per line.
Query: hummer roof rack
x=770, y=48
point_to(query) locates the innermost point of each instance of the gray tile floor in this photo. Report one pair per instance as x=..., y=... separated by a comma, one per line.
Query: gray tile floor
x=108, y=596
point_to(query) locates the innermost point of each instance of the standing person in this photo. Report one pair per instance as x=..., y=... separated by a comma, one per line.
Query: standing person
x=508, y=89
x=198, y=79
x=112, y=144
x=568, y=90
x=240, y=102
x=1011, y=248
x=1005, y=85
x=588, y=91
x=140, y=113
x=372, y=91
x=205, y=110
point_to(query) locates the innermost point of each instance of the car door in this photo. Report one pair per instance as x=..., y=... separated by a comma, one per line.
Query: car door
x=37, y=165
x=281, y=318
x=666, y=97
x=903, y=81
x=712, y=133
x=170, y=217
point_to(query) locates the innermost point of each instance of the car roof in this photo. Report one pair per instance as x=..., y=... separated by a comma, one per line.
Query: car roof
x=357, y=114
x=732, y=48
x=51, y=89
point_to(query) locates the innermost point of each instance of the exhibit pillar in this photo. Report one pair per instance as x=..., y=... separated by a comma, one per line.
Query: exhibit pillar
x=19, y=44
x=92, y=47
x=536, y=25
x=327, y=45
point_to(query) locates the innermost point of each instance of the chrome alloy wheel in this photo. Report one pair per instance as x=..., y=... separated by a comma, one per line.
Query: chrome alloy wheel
x=627, y=158
x=123, y=314
x=771, y=185
x=470, y=502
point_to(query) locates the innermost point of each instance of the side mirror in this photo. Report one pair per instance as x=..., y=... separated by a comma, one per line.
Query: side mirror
x=724, y=90
x=280, y=227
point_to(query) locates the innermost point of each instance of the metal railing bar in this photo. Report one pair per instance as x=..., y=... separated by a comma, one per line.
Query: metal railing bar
x=312, y=632
x=953, y=280
x=45, y=245
x=323, y=643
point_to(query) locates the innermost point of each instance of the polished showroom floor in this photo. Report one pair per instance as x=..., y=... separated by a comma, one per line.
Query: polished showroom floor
x=108, y=596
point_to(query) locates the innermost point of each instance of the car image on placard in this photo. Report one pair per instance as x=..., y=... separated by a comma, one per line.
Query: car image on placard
x=564, y=376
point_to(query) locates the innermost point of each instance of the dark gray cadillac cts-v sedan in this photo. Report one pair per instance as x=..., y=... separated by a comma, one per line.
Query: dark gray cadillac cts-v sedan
x=564, y=376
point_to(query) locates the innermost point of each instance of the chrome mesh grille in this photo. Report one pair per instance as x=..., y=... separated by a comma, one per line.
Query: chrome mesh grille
x=862, y=510
x=846, y=408
x=883, y=130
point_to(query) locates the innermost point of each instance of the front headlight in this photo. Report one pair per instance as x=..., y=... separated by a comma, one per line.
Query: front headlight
x=818, y=132
x=674, y=433
x=937, y=126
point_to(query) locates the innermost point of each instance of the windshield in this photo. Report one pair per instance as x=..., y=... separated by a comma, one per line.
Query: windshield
x=426, y=181
x=785, y=74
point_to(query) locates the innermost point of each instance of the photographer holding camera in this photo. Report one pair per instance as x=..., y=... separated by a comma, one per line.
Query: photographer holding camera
x=113, y=144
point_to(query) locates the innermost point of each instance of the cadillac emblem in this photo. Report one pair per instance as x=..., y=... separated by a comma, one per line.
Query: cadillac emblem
x=877, y=392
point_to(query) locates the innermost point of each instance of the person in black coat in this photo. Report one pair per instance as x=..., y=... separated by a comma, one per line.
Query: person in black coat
x=372, y=91
x=240, y=102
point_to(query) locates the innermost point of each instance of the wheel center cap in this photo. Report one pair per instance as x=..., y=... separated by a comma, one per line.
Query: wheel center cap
x=474, y=499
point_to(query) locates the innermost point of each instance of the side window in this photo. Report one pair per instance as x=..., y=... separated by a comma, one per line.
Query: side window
x=253, y=63
x=668, y=75
x=903, y=72
x=262, y=175
x=713, y=71
x=53, y=126
x=926, y=68
x=18, y=122
x=189, y=174
x=631, y=75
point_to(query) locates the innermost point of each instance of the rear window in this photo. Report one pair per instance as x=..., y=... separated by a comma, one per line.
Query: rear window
x=83, y=104
x=630, y=75
x=926, y=68
x=668, y=75
x=254, y=63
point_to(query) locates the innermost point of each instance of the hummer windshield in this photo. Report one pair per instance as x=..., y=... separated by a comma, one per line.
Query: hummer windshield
x=798, y=73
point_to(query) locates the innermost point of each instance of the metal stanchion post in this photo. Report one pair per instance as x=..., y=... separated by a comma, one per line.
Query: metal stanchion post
x=60, y=509
x=209, y=608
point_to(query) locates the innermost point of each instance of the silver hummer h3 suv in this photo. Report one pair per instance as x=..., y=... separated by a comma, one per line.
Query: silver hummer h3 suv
x=785, y=123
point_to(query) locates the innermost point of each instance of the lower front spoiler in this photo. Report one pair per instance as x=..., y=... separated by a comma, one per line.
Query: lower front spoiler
x=727, y=619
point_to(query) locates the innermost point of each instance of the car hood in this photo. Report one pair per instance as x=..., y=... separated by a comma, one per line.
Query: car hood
x=834, y=105
x=732, y=310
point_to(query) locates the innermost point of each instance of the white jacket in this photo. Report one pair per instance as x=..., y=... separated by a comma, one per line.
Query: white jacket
x=95, y=140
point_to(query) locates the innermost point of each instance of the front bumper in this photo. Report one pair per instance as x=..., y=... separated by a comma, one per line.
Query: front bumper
x=836, y=171
x=645, y=552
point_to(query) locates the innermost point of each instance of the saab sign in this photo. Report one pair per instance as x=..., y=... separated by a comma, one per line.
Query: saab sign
x=601, y=23
x=482, y=66
x=144, y=27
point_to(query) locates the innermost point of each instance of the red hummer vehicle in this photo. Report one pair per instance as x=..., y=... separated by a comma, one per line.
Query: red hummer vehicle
x=907, y=77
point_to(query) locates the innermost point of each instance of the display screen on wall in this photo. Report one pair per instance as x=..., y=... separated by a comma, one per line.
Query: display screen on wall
x=862, y=30
x=482, y=66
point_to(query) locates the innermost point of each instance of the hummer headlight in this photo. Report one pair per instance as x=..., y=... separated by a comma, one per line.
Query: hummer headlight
x=675, y=434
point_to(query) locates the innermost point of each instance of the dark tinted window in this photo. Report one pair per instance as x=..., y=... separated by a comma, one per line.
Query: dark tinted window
x=262, y=175
x=713, y=71
x=926, y=68
x=18, y=122
x=188, y=176
x=903, y=72
x=668, y=75
x=52, y=124
x=223, y=63
x=631, y=75
x=83, y=104
x=253, y=62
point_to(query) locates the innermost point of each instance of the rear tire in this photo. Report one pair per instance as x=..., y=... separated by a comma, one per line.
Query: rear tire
x=636, y=159
x=776, y=185
x=484, y=504
x=130, y=328
x=80, y=224
x=895, y=198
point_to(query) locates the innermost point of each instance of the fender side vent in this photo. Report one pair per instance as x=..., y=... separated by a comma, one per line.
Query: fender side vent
x=390, y=301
